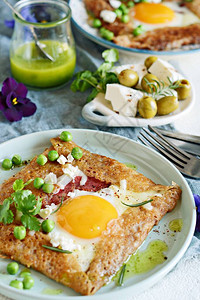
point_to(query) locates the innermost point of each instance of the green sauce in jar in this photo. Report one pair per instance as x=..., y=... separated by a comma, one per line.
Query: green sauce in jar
x=30, y=68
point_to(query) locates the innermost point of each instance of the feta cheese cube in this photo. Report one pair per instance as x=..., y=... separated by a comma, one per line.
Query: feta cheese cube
x=115, y=3
x=162, y=69
x=108, y=16
x=124, y=99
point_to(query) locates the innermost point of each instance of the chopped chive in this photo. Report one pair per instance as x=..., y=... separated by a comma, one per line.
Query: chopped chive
x=138, y=204
x=121, y=276
x=61, y=203
x=56, y=249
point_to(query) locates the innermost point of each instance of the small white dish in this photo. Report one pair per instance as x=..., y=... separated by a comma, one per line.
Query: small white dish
x=152, y=165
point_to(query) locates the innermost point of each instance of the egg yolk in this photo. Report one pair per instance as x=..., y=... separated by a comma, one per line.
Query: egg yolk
x=153, y=13
x=86, y=216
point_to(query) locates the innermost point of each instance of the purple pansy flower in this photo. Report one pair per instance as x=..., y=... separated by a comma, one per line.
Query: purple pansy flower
x=13, y=102
x=197, y=202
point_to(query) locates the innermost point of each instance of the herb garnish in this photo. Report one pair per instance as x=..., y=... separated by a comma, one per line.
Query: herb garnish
x=121, y=276
x=159, y=88
x=61, y=203
x=137, y=204
x=25, y=202
x=56, y=249
x=97, y=80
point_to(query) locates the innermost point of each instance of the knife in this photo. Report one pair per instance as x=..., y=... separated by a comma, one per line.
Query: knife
x=186, y=146
x=188, y=143
x=181, y=136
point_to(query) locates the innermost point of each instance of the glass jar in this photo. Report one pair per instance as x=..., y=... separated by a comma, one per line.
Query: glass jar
x=50, y=21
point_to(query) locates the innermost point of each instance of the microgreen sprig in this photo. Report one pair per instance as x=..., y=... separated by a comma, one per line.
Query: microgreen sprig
x=96, y=81
x=137, y=204
x=121, y=276
x=159, y=88
x=56, y=249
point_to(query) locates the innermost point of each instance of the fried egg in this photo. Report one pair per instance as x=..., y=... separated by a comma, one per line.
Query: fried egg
x=157, y=15
x=80, y=221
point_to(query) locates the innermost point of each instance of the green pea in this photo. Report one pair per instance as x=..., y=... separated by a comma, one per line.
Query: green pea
x=96, y=23
x=48, y=188
x=38, y=183
x=16, y=160
x=16, y=284
x=28, y=282
x=144, y=1
x=24, y=273
x=77, y=153
x=48, y=225
x=125, y=19
x=53, y=155
x=12, y=268
x=7, y=164
x=106, y=34
x=124, y=9
x=66, y=136
x=20, y=232
x=41, y=160
x=138, y=30
x=118, y=12
x=130, y=4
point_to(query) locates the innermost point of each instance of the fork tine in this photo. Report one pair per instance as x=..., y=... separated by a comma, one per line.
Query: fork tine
x=145, y=143
x=169, y=149
x=165, y=153
x=168, y=142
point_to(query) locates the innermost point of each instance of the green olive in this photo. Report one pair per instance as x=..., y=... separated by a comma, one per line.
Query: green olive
x=149, y=78
x=184, y=88
x=128, y=78
x=167, y=104
x=149, y=61
x=147, y=107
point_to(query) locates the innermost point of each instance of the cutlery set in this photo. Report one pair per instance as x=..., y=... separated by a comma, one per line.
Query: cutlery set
x=185, y=162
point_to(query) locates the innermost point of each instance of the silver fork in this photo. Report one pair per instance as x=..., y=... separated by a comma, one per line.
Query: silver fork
x=184, y=162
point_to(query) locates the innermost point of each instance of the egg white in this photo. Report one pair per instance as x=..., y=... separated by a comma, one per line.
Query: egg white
x=84, y=249
x=183, y=17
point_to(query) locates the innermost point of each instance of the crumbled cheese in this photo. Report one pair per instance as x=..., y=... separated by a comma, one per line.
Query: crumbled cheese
x=63, y=181
x=58, y=240
x=71, y=171
x=83, y=178
x=62, y=159
x=108, y=16
x=47, y=211
x=70, y=158
x=115, y=3
x=51, y=178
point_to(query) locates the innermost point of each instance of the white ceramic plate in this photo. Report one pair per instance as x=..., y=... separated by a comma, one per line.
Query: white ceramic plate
x=80, y=19
x=150, y=164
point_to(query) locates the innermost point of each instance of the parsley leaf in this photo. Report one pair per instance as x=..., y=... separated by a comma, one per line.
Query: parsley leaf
x=110, y=55
x=25, y=202
x=18, y=185
x=96, y=81
x=30, y=222
x=6, y=215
